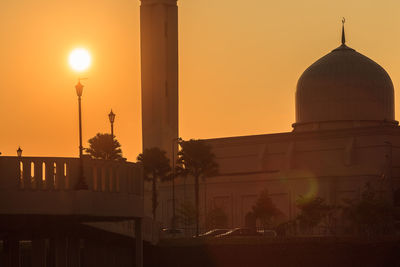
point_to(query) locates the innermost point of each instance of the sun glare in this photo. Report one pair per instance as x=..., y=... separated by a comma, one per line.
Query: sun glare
x=79, y=59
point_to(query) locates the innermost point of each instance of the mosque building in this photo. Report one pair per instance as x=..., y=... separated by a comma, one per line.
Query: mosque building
x=345, y=133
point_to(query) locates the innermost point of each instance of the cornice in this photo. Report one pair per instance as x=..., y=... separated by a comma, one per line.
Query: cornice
x=157, y=2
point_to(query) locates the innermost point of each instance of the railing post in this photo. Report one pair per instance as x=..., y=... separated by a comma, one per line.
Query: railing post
x=38, y=175
x=67, y=175
x=122, y=180
x=73, y=168
x=110, y=177
x=102, y=178
x=27, y=174
x=95, y=174
x=113, y=177
x=88, y=173
x=20, y=175
x=49, y=175
x=106, y=170
x=98, y=177
x=117, y=173
x=60, y=178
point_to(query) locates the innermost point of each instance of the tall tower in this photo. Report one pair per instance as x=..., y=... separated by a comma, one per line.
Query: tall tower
x=159, y=59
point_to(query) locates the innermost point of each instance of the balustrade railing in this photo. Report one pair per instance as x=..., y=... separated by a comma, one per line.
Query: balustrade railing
x=62, y=174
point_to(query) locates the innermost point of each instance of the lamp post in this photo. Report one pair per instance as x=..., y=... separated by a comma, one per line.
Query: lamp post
x=19, y=152
x=173, y=179
x=111, y=117
x=81, y=185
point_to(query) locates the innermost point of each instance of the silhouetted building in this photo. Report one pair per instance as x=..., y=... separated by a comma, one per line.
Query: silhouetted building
x=345, y=135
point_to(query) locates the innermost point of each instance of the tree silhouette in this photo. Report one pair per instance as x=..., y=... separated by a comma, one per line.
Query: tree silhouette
x=313, y=210
x=103, y=146
x=372, y=214
x=196, y=159
x=265, y=210
x=156, y=167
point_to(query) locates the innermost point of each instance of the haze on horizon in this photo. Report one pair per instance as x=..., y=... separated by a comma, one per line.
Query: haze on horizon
x=239, y=65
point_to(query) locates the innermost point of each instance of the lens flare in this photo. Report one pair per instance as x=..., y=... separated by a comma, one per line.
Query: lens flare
x=307, y=183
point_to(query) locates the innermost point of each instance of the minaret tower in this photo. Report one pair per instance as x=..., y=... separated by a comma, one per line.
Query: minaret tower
x=159, y=59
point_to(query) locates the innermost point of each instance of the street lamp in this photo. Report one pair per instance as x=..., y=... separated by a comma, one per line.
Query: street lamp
x=111, y=117
x=19, y=152
x=173, y=179
x=80, y=60
x=81, y=185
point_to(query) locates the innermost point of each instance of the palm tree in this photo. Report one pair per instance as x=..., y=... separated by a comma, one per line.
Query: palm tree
x=196, y=159
x=103, y=146
x=156, y=167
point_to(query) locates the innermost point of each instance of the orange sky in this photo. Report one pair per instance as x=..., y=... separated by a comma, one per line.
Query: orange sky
x=239, y=64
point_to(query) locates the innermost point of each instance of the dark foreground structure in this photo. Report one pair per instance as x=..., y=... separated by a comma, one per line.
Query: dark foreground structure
x=288, y=253
x=68, y=245
x=104, y=249
x=46, y=222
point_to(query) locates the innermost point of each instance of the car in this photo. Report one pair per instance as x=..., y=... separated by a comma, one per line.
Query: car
x=267, y=233
x=172, y=233
x=240, y=232
x=214, y=232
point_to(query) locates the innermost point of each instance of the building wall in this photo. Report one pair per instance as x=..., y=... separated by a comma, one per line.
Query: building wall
x=332, y=164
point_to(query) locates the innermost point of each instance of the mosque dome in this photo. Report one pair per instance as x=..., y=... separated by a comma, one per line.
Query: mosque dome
x=344, y=89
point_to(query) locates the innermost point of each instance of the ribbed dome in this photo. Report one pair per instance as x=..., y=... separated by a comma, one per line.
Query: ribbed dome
x=344, y=85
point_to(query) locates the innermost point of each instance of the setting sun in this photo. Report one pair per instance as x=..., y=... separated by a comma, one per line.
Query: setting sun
x=79, y=59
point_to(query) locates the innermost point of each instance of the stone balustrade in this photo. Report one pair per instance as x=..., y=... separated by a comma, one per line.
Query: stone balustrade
x=46, y=185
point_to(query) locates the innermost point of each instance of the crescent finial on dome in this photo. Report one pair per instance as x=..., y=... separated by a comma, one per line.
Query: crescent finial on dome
x=343, y=35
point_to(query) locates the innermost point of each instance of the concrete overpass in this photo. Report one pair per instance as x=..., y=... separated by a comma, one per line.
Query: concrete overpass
x=39, y=207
